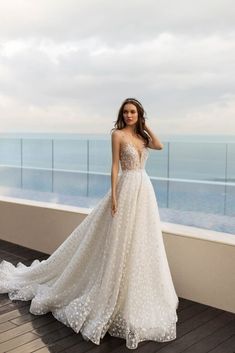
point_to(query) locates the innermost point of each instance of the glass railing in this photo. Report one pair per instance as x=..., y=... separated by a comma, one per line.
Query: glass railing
x=194, y=182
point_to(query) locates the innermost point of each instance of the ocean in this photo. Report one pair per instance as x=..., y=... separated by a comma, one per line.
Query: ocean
x=193, y=173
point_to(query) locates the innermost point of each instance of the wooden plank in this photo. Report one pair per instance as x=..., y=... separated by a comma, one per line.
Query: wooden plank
x=4, y=299
x=82, y=347
x=14, y=314
x=65, y=343
x=58, y=334
x=55, y=325
x=226, y=347
x=17, y=341
x=19, y=330
x=197, y=320
x=28, y=347
x=15, y=253
x=45, y=350
x=190, y=311
x=40, y=342
x=14, y=259
x=184, y=342
x=184, y=303
x=211, y=341
x=6, y=326
x=20, y=250
x=12, y=306
x=144, y=347
x=30, y=317
x=113, y=344
x=56, y=337
x=8, y=246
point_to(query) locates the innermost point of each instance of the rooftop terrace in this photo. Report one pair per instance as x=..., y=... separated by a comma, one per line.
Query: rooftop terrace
x=200, y=328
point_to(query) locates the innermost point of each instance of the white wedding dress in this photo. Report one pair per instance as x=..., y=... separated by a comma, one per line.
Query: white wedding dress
x=111, y=274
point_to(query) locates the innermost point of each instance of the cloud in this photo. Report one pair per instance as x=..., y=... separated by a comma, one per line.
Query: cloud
x=212, y=118
x=69, y=63
x=113, y=22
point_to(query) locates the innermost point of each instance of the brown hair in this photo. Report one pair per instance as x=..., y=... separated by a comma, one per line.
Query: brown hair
x=120, y=123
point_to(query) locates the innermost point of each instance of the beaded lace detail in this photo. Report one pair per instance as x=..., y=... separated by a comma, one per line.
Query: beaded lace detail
x=111, y=273
x=131, y=158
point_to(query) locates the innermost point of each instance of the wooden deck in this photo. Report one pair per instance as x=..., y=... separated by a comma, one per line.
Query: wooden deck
x=200, y=328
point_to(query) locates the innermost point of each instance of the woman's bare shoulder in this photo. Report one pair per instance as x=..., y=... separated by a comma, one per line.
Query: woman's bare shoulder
x=117, y=134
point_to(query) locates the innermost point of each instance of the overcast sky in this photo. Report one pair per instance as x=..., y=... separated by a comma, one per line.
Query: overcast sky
x=66, y=65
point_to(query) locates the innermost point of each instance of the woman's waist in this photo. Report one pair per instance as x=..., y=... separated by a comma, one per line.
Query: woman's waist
x=134, y=170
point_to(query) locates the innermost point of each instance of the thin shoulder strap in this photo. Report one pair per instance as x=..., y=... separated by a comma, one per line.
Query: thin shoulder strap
x=123, y=135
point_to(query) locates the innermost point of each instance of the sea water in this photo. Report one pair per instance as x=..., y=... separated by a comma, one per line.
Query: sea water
x=192, y=175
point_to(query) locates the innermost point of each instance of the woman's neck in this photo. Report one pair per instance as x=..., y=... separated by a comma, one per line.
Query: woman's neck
x=131, y=130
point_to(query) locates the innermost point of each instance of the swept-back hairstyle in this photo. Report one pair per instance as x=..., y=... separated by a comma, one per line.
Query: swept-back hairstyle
x=120, y=123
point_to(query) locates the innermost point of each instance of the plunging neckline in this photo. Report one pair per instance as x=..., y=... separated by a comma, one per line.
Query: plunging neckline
x=140, y=153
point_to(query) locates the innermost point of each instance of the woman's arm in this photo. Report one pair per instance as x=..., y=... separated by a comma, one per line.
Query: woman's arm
x=155, y=143
x=115, y=166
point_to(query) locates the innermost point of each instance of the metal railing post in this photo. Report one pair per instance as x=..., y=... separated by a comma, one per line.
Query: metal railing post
x=168, y=176
x=21, y=163
x=88, y=167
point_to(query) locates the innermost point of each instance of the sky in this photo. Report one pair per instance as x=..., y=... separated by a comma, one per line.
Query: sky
x=66, y=65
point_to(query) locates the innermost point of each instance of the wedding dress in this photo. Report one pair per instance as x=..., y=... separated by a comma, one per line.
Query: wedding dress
x=111, y=274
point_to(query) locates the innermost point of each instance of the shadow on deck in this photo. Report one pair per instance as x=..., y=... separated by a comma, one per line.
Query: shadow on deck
x=200, y=328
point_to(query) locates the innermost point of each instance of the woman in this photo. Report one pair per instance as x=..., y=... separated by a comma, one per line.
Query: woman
x=111, y=274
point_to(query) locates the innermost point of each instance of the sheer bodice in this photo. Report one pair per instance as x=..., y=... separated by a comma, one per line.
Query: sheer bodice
x=131, y=158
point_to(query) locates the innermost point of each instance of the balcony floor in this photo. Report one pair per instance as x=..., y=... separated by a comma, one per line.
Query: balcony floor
x=200, y=328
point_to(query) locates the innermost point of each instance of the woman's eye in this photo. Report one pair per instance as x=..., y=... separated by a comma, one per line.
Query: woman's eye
x=132, y=112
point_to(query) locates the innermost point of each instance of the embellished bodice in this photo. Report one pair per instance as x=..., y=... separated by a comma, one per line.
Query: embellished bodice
x=131, y=158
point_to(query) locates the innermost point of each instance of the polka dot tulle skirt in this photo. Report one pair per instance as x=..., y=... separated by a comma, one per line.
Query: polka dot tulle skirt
x=111, y=274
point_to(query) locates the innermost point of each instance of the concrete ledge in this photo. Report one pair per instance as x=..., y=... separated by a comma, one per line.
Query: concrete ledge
x=38, y=225
x=202, y=262
x=202, y=266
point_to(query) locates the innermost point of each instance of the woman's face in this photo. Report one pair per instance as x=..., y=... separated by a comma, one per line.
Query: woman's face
x=130, y=114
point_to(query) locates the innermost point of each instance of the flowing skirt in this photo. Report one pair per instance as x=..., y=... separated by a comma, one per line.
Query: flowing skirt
x=110, y=275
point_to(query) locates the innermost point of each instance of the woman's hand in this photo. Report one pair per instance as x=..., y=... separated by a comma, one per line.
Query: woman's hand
x=114, y=206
